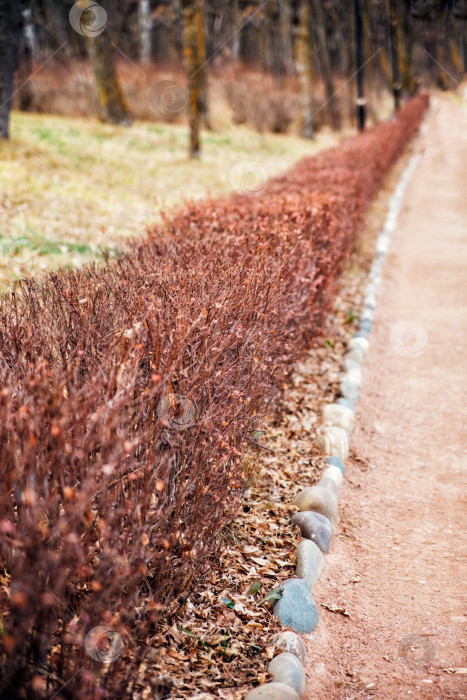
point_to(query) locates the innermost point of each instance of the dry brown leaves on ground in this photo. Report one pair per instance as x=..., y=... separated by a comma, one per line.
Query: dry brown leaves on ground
x=220, y=643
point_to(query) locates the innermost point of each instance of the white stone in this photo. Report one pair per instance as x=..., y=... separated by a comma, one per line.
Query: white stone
x=273, y=691
x=355, y=354
x=334, y=441
x=329, y=484
x=354, y=375
x=367, y=315
x=333, y=473
x=290, y=641
x=319, y=499
x=382, y=245
x=350, y=364
x=360, y=343
x=339, y=416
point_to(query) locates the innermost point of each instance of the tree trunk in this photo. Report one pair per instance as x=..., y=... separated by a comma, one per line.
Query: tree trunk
x=395, y=58
x=145, y=30
x=25, y=60
x=407, y=39
x=110, y=95
x=192, y=64
x=10, y=34
x=286, y=42
x=271, y=38
x=164, y=49
x=250, y=37
x=303, y=66
x=202, y=72
x=319, y=20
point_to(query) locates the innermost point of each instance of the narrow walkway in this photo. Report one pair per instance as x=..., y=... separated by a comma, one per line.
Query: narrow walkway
x=399, y=565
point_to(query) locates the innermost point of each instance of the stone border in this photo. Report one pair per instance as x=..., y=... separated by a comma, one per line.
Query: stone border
x=318, y=505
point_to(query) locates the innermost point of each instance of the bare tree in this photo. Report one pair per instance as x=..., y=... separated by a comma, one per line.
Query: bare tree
x=250, y=34
x=145, y=30
x=395, y=51
x=110, y=95
x=195, y=62
x=304, y=67
x=324, y=59
x=10, y=35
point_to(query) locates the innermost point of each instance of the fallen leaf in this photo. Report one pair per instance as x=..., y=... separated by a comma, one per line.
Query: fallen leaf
x=254, y=588
x=336, y=609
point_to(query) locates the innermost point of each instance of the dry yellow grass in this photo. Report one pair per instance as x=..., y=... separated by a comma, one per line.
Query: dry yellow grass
x=70, y=187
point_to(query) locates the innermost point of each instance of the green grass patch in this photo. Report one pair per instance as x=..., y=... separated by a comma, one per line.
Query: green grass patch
x=70, y=188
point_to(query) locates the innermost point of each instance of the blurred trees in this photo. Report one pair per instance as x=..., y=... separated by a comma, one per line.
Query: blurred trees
x=405, y=42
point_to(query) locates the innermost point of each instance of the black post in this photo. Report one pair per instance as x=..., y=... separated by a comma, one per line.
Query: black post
x=360, y=63
x=396, y=76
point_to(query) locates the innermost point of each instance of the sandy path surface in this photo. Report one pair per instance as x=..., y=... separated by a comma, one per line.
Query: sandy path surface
x=398, y=566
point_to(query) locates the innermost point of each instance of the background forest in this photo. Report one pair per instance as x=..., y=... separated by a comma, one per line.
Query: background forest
x=275, y=65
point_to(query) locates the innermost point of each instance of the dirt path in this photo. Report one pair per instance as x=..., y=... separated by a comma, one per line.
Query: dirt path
x=399, y=564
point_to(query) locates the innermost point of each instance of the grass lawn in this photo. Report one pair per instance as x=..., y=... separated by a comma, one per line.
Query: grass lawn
x=72, y=187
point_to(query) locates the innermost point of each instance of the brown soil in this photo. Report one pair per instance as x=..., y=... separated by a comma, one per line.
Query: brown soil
x=398, y=564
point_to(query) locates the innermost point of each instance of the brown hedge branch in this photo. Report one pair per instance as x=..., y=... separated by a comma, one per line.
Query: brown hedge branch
x=114, y=486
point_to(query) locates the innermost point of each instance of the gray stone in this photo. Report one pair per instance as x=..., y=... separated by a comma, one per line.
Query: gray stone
x=319, y=499
x=287, y=669
x=348, y=389
x=297, y=608
x=366, y=325
x=290, y=641
x=310, y=562
x=339, y=416
x=346, y=402
x=314, y=527
x=273, y=691
x=368, y=314
x=334, y=441
x=336, y=462
x=333, y=473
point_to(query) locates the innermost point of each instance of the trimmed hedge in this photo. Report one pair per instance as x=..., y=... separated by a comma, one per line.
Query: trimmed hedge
x=113, y=487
